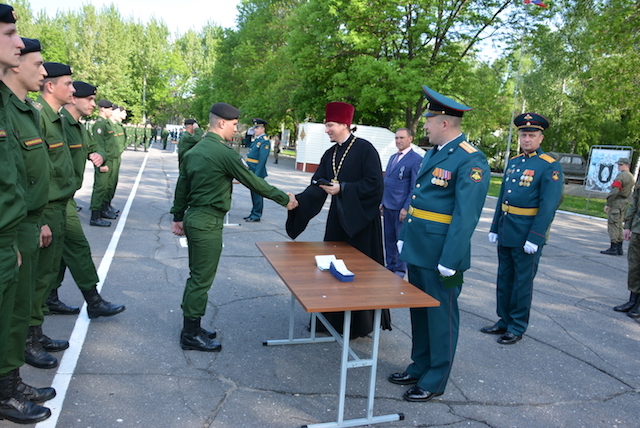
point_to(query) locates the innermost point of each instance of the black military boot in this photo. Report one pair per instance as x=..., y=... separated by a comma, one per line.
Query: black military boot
x=620, y=250
x=96, y=220
x=58, y=307
x=34, y=353
x=106, y=213
x=35, y=395
x=113, y=210
x=195, y=338
x=626, y=307
x=635, y=311
x=15, y=407
x=97, y=306
x=612, y=250
x=51, y=345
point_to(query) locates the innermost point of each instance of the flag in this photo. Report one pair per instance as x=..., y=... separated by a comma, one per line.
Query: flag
x=538, y=2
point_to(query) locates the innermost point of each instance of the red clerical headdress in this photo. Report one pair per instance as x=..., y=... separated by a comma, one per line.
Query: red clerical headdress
x=339, y=112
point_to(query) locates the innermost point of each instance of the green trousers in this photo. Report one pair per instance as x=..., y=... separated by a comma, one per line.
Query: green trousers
x=633, y=256
x=113, y=179
x=8, y=287
x=76, y=253
x=203, y=228
x=48, y=268
x=29, y=246
x=101, y=182
x=614, y=223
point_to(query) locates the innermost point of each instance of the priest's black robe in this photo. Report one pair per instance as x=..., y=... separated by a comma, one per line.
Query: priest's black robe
x=354, y=214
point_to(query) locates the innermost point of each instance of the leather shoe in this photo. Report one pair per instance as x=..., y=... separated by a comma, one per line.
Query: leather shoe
x=493, y=329
x=252, y=220
x=418, y=394
x=402, y=379
x=60, y=308
x=508, y=338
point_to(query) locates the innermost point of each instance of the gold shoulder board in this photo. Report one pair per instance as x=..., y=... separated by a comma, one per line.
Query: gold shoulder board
x=548, y=158
x=468, y=147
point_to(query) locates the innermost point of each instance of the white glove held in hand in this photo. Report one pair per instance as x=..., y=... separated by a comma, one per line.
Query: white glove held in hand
x=400, y=244
x=446, y=271
x=530, y=247
x=493, y=237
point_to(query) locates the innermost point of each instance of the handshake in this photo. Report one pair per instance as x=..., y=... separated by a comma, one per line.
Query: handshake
x=293, y=202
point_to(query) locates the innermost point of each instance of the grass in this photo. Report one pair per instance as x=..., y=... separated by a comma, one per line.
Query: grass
x=575, y=204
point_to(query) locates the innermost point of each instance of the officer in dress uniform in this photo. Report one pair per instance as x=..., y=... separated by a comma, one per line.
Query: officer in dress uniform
x=257, y=160
x=529, y=196
x=435, y=241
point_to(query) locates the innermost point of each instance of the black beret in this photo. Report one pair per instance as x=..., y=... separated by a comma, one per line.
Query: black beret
x=225, y=111
x=55, y=69
x=531, y=122
x=115, y=107
x=7, y=14
x=83, y=89
x=258, y=121
x=105, y=103
x=30, y=45
x=189, y=121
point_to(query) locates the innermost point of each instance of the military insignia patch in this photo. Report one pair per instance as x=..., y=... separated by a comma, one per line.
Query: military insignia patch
x=266, y=147
x=555, y=175
x=3, y=133
x=476, y=174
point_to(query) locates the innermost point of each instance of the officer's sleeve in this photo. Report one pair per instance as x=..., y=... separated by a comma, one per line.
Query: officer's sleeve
x=263, y=155
x=236, y=168
x=551, y=184
x=99, y=136
x=180, y=195
x=472, y=183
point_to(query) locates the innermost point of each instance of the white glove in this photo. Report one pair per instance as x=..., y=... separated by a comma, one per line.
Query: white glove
x=493, y=237
x=400, y=244
x=530, y=247
x=445, y=271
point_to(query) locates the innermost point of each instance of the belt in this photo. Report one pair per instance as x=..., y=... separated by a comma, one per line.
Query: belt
x=519, y=211
x=252, y=160
x=430, y=215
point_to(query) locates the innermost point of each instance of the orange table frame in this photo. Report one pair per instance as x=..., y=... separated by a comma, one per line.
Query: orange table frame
x=373, y=288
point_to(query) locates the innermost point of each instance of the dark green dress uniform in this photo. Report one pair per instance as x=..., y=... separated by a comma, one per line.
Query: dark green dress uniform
x=13, y=210
x=446, y=204
x=187, y=141
x=529, y=196
x=202, y=198
x=120, y=141
x=105, y=139
x=62, y=187
x=257, y=161
x=24, y=118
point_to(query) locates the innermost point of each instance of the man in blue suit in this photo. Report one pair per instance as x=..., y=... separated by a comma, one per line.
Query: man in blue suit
x=435, y=241
x=399, y=180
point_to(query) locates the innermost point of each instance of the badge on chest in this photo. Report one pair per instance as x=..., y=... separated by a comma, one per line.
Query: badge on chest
x=441, y=177
x=527, y=177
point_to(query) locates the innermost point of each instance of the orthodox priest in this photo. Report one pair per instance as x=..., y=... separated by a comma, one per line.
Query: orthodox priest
x=352, y=166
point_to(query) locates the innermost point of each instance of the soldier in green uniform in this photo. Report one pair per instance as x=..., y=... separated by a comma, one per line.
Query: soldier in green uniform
x=154, y=134
x=76, y=254
x=529, y=196
x=202, y=197
x=165, y=136
x=104, y=137
x=17, y=400
x=257, y=160
x=189, y=138
x=55, y=91
x=435, y=241
x=117, y=116
x=616, y=206
x=147, y=137
x=631, y=233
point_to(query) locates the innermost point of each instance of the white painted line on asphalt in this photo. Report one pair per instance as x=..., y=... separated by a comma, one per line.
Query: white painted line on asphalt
x=76, y=341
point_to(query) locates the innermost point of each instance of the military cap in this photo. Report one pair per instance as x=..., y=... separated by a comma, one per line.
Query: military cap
x=7, y=14
x=339, y=112
x=30, y=45
x=83, y=89
x=105, y=103
x=259, y=122
x=439, y=104
x=531, y=122
x=624, y=161
x=56, y=69
x=225, y=111
x=189, y=121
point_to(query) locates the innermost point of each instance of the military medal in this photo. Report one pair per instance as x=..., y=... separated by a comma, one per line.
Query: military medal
x=527, y=177
x=441, y=177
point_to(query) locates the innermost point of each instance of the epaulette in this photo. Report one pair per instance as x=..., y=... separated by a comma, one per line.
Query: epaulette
x=467, y=147
x=547, y=158
x=37, y=105
x=521, y=154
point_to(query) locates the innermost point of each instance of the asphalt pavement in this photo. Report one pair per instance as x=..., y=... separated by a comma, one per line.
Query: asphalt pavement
x=577, y=365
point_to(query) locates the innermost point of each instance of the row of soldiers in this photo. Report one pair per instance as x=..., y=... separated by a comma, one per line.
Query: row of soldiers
x=44, y=147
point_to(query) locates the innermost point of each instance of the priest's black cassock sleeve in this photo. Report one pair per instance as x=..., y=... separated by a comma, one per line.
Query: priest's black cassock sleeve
x=354, y=214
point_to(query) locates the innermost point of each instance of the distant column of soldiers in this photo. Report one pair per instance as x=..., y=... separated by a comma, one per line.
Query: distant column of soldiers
x=43, y=151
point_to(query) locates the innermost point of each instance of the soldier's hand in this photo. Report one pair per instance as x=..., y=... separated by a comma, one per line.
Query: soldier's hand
x=493, y=237
x=626, y=234
x=293, y=202
x=606, y=209
x=333, y=189
x=444, y=271
x=96, y=159
x=46, y=236
x=403, y=215
x=530, y=247
x=178, y=228
x=104, y=168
